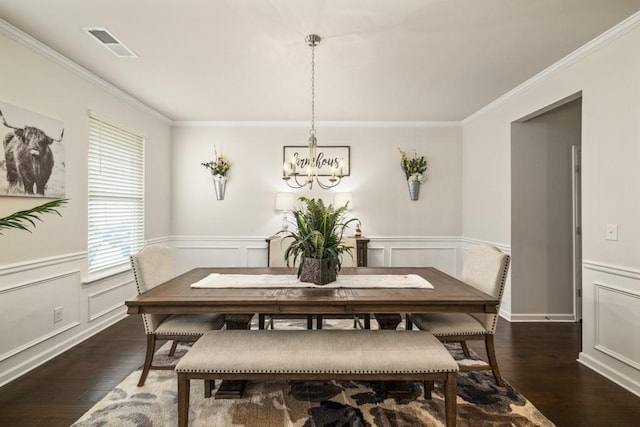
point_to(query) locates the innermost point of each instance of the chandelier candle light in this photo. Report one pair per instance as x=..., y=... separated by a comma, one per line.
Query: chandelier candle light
x=290, y=169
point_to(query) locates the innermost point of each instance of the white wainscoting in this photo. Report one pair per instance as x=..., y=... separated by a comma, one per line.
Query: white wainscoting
x=29, y=294
x=196, y=251
x=611, y=319
x=202, y=251
x=401, y=251
x=31, y=290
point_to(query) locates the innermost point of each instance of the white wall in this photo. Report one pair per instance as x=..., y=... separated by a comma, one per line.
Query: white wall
x=231, y=232
x=542, y=214
x=380, y=195
x=608, y=79
x=47, y=268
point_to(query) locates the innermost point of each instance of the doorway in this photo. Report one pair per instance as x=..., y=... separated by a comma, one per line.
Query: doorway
x=545, y=214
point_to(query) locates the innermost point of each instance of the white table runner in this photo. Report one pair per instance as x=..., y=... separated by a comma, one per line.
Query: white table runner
x=217, y=280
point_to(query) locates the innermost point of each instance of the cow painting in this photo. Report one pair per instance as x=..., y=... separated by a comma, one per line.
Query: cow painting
x=28, y=158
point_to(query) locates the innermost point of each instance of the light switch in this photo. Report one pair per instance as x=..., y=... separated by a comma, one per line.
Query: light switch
x=612, y=231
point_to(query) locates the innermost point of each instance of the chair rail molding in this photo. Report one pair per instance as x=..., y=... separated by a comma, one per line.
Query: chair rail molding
x=20, y=267
x=506, y=248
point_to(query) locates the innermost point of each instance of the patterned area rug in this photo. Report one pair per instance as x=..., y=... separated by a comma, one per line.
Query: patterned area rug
x=480, y=401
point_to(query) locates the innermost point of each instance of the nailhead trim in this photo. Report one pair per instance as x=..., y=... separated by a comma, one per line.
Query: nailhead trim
x=505, y=270
x=444, y=334
x=314, y=371
x=147, y=327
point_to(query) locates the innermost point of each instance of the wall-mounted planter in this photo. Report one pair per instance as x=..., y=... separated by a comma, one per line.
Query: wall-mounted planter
x=414, y=189
x=220, y=186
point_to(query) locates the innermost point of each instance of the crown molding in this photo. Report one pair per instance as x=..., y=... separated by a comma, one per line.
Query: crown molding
x=326, y=124
x=602, y=40
x=21, y=37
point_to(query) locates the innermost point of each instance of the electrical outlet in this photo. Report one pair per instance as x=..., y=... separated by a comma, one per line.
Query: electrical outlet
x=57, y=314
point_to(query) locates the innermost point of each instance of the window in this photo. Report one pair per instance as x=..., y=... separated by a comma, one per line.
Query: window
x=116, y=194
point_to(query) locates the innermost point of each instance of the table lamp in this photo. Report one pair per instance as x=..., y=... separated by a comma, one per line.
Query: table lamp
x=284, y=203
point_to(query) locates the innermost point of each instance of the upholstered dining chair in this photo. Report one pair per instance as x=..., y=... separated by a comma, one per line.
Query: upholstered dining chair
x=151, y=266
x=485, y=268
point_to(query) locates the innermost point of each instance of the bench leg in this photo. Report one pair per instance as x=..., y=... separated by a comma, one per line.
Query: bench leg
x=450, y=393
x=183, y=400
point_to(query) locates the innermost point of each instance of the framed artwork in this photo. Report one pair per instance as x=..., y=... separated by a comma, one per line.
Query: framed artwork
x=32, y=162
x=327, y=156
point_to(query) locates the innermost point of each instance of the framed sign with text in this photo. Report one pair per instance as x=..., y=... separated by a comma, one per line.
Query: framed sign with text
x=327, y=156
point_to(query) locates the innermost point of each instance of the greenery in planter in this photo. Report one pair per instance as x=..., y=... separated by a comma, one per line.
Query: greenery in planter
x=219, y=167
x=319, y=233
x=413, y=167
x=22, y=219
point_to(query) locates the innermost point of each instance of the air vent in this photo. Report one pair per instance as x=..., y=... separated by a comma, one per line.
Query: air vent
x=108, y=40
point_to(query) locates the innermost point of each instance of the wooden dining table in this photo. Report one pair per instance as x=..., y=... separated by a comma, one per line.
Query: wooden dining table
x=239, y=305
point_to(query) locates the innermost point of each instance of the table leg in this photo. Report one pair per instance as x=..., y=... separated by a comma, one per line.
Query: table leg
x=388, y=320
x=394, y=389
x=234, y=389
x=238, y=321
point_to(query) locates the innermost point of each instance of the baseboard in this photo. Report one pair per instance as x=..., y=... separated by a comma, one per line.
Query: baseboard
x=611, y=374
x=30, y=364
x=541, y=317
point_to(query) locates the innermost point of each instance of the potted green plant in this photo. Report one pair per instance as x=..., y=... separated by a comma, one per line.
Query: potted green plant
x=317, y=243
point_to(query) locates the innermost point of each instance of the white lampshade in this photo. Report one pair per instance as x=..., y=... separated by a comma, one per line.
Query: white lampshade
x=339, y=199
x=285, y=201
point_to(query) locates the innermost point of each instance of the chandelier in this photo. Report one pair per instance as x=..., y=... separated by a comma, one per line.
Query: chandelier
x=290, y=167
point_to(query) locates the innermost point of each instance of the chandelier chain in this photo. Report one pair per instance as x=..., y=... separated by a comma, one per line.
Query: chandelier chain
x=290, y=167
x=313, y=88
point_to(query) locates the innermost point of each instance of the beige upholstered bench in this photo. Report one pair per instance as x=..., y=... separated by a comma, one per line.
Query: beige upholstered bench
x=279, y=355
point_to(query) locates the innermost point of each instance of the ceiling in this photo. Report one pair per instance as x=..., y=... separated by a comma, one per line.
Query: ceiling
x=379, y=60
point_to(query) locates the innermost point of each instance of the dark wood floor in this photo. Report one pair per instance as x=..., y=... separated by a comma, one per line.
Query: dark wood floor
x=538, y=359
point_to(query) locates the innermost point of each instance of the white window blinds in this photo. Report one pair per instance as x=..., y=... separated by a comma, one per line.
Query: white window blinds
x=116, y=194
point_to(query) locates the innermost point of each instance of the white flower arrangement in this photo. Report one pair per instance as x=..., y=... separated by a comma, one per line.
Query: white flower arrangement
x=416, y=177
x=219, y=167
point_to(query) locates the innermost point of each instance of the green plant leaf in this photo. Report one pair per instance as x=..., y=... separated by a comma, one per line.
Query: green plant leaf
x=21, y=220
x=320, y=229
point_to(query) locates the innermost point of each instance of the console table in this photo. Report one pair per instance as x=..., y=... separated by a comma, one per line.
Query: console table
x=360, y=252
